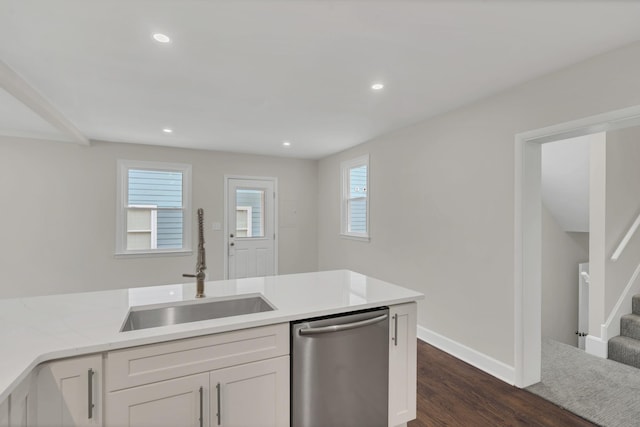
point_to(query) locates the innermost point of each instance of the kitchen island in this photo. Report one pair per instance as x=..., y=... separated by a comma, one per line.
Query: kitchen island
x=38, y=330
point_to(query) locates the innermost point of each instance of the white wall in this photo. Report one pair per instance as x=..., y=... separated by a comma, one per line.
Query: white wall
x=561, y=254
x=57, y=220
x=442, y=199
x=597, y=232
x=565, y=182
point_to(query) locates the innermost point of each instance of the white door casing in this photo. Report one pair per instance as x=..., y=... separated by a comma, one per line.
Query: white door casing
x=250, y=227
x=527, y=245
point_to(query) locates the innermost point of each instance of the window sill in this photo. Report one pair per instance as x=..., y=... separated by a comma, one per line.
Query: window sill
x=153, y=254
x=354, y=237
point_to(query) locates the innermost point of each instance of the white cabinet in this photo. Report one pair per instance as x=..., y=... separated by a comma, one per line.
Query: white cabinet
x=4, y=413
x=402, y=363
x=251, y=395
x=21, y=409
x=233, y=379
x=177, y=402
x=69, y=392
x=238, y=378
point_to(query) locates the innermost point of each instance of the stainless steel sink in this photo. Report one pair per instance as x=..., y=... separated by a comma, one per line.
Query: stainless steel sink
x=143, y=318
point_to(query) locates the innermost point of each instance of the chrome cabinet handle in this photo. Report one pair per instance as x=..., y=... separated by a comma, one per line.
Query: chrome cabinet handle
x=344, y=327
x=90, y=405
x=395, y=329
x=219, y=414
x=201, y=419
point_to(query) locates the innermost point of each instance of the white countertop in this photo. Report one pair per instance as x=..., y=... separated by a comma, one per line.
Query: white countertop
x=37, y=329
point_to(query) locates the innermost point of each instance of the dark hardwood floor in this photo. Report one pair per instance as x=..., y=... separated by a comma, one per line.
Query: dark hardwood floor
x=453, y=393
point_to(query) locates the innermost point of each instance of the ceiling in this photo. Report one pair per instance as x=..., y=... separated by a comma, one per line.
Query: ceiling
x=244, y=76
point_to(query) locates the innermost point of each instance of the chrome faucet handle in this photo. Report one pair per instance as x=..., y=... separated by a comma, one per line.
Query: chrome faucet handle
x=189, y=275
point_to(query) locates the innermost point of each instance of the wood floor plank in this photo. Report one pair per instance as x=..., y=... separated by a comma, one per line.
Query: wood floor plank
x=454, y=393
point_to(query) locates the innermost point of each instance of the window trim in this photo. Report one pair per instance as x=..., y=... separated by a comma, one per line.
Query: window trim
x=345, y=167
x=123, y=166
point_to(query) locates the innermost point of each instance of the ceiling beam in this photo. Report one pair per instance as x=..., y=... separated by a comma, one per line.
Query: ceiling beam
x=29, y=96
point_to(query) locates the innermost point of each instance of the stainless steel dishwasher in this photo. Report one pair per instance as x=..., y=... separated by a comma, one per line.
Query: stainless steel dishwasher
x=340, y=370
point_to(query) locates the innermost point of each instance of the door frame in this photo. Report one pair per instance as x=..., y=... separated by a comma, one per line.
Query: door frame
x=528, y=229
x=225, y=240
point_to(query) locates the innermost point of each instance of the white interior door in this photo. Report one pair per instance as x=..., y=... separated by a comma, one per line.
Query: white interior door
x=250, y=227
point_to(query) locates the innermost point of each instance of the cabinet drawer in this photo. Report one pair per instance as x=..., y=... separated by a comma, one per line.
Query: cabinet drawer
x=156, y=362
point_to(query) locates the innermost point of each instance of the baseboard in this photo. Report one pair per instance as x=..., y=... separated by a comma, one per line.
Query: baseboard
x=596, y=346
x=491, y=366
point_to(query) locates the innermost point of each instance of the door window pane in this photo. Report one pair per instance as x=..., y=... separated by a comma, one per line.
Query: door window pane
x=243, y=221
x=249, y=212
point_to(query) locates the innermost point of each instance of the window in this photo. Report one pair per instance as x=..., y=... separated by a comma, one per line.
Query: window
x=243, y=221
x=154, y=208
x=142, y=227
x=249, y=212
x=355, y=201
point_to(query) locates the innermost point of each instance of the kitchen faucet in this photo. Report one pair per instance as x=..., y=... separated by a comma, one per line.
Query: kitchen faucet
x=201, y=264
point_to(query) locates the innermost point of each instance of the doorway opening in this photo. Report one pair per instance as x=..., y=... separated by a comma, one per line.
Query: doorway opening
x=528, y=229
x=565, y=192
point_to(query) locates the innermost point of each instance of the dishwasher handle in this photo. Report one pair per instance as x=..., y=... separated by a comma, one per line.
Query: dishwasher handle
x=343, y=327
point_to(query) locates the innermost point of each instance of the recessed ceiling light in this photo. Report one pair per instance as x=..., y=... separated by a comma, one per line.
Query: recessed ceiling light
x=377, y=86
x=286, y=144
x=167, y=130
x=162, y=38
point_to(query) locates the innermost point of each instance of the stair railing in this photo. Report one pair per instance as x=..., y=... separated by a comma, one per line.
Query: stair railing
x=611, y=327
x=625, y=240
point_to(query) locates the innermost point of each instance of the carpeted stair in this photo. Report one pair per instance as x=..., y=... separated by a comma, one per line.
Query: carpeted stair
x=625, y=348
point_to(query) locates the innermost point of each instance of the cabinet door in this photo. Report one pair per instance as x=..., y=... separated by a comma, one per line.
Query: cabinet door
x=4, y=413
x=21, y=410
x=402, y=363
x=70, y=392
x=178, y=402
x=251, y=395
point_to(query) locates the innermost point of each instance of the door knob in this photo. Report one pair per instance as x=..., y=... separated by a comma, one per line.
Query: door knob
x=231, y=235
x=231, y=244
